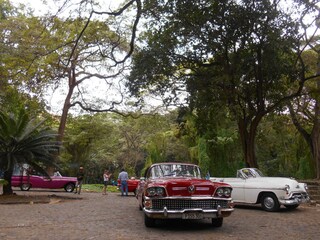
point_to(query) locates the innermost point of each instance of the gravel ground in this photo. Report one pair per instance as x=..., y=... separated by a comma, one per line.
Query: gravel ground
x=42, y=215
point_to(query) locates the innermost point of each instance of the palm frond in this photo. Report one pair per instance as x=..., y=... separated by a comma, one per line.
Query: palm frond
x=24, y=140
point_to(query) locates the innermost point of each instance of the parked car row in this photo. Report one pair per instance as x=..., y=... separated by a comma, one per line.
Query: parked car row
x=178, y=190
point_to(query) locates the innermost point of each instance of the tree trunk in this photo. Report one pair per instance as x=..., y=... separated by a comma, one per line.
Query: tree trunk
x=247, y=138
x=67, y=104
x=7, y=188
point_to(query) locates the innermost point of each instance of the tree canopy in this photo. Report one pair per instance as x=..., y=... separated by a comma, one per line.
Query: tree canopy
x=233, y=71
x=241, y=55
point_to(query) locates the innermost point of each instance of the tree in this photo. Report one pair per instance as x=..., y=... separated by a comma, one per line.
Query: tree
x=20, y=51
x=24, y=140
x=90, y=45
x=305, y=109
x=91, y=48
x=242, y=55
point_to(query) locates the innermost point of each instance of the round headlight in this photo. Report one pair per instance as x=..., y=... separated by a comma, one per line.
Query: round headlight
x=287, y=188
x=227, y=192
x=219, y=192
x=160, y=191
x=151, y=191
x=155, y=191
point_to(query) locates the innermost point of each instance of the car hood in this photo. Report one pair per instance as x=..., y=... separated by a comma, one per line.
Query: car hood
x=186, y=186
x=277, y=182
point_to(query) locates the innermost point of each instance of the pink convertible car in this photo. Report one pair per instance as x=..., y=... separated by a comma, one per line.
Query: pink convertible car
x=35, y=181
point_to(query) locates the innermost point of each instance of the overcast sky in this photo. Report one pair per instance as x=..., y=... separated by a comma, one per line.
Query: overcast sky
x=53, y=5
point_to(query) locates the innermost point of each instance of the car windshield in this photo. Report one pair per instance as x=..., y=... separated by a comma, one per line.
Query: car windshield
x=250, y=173
x=174, y=170
x=257, y=172
x=57, y=174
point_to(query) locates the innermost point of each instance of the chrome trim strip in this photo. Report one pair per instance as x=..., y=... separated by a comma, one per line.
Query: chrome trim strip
x=189, y=198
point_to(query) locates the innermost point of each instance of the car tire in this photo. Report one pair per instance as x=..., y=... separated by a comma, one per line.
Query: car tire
x=25, y=186
x=270, y=203
x=149, y=222
x=69, y=187
x=291, y=207
x=217, y=222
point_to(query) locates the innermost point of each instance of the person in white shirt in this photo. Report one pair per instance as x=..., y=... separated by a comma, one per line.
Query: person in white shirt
x=106, y=179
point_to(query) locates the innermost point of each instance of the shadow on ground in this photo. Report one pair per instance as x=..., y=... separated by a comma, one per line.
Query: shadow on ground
x=35, y=199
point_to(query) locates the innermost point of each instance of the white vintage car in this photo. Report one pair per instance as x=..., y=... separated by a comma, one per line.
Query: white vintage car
x=252, y=187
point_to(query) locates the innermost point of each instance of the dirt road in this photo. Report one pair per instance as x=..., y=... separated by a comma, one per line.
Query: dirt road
x=97, y=216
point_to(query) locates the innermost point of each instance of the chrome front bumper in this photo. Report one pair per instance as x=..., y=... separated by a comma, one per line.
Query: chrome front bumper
x=295, y=199
x=195, y=213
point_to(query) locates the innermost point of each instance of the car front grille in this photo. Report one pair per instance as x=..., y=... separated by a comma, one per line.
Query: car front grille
x=180, y=204
x=302, y=195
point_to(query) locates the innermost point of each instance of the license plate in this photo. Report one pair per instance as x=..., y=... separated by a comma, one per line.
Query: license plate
x=192, y=216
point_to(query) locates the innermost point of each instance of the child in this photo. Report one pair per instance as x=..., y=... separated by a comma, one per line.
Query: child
x=106, y=178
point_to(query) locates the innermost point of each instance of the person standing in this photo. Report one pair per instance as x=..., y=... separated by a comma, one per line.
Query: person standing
x=80, y=177
x=106, y=178
x=123, y=177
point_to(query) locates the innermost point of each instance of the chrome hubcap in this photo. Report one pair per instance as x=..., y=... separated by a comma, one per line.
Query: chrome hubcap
x=268, y=202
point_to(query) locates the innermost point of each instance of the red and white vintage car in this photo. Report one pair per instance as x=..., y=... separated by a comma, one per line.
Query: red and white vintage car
x=176, y=190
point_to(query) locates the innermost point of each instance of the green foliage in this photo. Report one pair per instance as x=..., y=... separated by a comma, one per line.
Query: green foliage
x=281, y=150
x=238, y=60
x=238, y=56
x=25, y=140
x=20, y=83
x=90, y=141
x=108, y=141
x=148, y=163
x=203, y=156
x=306, y=169
x=3, y=182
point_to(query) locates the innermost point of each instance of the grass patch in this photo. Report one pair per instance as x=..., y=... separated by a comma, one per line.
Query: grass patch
x=3, y=182
x=98, y=188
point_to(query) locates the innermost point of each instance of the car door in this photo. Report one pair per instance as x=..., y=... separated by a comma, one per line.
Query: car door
x=252, y=189
x=238, y=188
x=40, y=181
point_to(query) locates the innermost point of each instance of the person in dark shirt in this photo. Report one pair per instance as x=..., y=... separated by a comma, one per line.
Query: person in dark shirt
x=80, y=177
